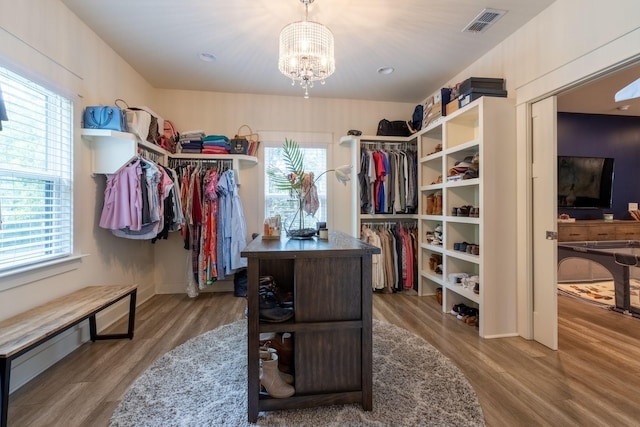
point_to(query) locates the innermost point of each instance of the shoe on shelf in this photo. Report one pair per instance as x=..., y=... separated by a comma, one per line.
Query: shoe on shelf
x=266, y=353
x=457, y=308
x=271, y=380
x=466, y=312
x=271, y=307
x=471, y=320
x=283, y=344
x=284, y=298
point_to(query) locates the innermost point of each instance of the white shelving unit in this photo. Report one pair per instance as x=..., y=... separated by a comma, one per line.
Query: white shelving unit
x=112, y=150
x=485, y=127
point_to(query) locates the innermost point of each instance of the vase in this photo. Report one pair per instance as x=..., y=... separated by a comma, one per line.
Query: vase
x=300, y=225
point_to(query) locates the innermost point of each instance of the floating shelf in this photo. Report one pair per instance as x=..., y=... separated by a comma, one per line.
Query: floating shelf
x=111, y=150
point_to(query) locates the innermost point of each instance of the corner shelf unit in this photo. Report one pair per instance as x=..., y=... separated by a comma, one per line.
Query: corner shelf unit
x=485, y=127
x=111, y=150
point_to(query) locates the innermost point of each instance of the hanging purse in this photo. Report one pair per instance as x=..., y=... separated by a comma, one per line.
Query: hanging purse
x=105, y=117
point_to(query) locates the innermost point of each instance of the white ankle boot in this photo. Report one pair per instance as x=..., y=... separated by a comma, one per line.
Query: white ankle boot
x=266, y=354
x=271, y=380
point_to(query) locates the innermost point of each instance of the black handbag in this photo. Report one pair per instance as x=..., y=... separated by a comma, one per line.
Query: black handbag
x=238, y=146
x=240, y=143
x=393, y=128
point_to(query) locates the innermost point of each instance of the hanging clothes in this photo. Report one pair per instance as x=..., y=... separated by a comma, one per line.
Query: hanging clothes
x=234, y=229
x=395, y=269
x=216, y=227
x=388, y=181
x=140, y=201
x=377, y=278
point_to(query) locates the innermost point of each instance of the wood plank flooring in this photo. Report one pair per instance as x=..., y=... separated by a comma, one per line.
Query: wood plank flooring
x=593, y=380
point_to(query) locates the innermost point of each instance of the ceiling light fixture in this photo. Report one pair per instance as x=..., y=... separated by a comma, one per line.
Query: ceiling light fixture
x=207, y=57
x=306, y=52
x=386, y=70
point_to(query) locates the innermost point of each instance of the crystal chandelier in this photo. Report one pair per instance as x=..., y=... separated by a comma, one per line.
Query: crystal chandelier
x=306, y=52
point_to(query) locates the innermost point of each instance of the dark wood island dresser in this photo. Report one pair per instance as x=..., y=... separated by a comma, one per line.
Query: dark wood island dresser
x=332, y=337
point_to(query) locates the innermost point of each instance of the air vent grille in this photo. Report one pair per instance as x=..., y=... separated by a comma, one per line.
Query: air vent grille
x=483, y=21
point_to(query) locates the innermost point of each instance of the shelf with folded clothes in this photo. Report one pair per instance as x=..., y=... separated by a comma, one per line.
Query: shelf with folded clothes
x=111, y=150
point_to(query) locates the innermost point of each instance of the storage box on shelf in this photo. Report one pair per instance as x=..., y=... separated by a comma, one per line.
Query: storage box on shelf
x=477, y=219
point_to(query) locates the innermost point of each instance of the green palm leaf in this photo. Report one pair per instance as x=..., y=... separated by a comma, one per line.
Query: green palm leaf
x=294, y=160
x=293, y=156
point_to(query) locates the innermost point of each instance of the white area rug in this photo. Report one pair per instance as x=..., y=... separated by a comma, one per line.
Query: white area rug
x=203, y=382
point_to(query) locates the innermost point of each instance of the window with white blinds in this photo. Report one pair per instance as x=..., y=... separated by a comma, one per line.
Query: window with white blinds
x=36, y=221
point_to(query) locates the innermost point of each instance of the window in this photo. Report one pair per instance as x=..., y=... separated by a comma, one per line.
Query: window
x=35, y=174
x=278, y=201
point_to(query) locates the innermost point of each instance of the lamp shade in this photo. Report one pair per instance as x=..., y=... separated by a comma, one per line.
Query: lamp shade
x=306, y=52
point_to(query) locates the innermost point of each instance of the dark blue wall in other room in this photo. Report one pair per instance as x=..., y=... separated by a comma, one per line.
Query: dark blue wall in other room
x=604, y=136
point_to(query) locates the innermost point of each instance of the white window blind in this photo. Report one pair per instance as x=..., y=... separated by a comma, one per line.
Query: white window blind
x=35, y=174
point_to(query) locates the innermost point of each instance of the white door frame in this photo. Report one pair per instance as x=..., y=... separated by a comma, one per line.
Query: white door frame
x=604, y=60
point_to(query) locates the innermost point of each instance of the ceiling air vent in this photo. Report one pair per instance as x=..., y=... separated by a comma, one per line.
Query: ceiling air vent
x=484, y=20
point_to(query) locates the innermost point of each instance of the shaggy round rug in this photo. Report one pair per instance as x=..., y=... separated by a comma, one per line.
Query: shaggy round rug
x=203, y=382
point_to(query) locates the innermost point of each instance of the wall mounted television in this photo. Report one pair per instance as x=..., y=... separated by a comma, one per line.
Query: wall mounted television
x=585, y=182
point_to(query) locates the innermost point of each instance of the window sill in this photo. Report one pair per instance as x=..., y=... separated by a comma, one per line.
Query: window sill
x=30, y=274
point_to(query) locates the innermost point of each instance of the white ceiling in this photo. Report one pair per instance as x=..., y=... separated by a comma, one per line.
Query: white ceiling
x=597, y=95
x=421, y=39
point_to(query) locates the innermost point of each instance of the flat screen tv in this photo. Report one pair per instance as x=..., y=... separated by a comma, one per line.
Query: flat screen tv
x=585, y=182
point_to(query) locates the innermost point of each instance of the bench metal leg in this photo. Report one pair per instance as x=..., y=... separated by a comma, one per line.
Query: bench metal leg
x=5, y=373
x=132, y=315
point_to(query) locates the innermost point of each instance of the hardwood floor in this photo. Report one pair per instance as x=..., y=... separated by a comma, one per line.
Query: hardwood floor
x=593, y=380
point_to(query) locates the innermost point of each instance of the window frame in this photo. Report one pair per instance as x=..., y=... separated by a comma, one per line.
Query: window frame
x=320, y=140
x=45, y=267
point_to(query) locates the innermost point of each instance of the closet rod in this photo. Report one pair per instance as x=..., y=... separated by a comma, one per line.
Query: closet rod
x=403, y=145
x=226, y=163
x=149, y=155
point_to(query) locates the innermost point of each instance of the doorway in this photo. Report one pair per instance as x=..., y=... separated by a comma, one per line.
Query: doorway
x=592, y=95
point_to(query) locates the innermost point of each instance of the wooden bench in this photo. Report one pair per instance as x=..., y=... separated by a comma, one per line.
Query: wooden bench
x=27, y=330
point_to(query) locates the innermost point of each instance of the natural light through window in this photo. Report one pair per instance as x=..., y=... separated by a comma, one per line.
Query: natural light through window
x=631, y=91
x=279, y=201
x=35, y=174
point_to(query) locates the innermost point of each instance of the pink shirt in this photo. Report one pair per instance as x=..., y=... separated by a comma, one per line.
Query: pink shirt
x=123, y=199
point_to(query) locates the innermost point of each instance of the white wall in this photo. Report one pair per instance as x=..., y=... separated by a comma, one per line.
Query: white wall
x=46, y=40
